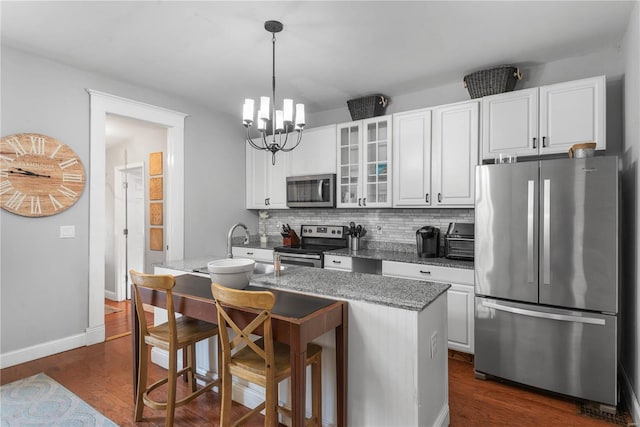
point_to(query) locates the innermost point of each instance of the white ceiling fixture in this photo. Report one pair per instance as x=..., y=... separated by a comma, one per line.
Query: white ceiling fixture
x=279, y=121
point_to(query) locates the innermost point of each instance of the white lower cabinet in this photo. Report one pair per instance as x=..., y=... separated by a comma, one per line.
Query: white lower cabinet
x=335, y=262
x=460, y=315
x=262, y=255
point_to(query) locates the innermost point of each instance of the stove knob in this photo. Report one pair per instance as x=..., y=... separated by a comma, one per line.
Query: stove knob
x=333, y=231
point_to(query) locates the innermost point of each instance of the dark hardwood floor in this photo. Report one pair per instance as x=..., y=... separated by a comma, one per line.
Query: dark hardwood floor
x=101, y=375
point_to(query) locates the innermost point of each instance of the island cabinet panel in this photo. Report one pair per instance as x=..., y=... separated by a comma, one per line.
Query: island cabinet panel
x=335, y=262
x=263, y=255
x=460, y=315
x=390, y=355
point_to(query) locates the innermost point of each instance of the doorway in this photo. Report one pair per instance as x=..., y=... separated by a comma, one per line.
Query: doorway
x=103, y=104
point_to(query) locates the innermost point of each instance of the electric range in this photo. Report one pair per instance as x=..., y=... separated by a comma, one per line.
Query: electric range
x=314, y=241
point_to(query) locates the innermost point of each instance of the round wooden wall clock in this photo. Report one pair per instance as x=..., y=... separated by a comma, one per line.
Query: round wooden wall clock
x=39, y=175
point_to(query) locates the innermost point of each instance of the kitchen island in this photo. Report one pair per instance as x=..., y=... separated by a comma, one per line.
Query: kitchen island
x=397, y=350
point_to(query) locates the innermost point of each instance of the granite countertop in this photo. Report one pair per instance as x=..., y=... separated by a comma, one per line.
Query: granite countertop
x=401, y=256
x=389, y=291
x=406, y=294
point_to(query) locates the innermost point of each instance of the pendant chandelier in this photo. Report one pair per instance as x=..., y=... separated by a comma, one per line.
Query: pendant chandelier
x=271, y=122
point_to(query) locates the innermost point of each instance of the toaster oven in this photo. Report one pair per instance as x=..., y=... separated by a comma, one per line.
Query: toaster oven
x=459, y=241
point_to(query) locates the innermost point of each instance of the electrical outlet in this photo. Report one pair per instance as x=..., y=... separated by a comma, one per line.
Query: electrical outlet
x=434, y=344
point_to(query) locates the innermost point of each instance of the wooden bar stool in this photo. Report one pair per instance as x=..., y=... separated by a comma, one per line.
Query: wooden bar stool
x=263, y=362
x=177, y=333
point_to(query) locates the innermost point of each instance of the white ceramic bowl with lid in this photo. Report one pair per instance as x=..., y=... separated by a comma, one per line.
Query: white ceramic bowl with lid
x=231, y=272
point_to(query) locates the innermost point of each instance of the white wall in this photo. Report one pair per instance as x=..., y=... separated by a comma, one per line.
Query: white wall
x=44, y=279
x=608, y=62
x=630, y=338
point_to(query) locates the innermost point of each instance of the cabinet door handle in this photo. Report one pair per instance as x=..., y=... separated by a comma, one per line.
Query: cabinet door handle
x=426, y=198
x=544, y=141
x=336, y=262
x=425, y=272
x=249, y=253
x=359, y=201
x=439, y=197
x=535, y=142
x=364, y=202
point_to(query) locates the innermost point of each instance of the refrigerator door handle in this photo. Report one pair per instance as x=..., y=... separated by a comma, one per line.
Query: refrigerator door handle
x=543, y=315
x=546, y=230
x=530, y=219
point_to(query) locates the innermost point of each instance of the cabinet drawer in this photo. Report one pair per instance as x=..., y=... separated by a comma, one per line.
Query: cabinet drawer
x=432, y=273
x=264, y=255
x=334, y=262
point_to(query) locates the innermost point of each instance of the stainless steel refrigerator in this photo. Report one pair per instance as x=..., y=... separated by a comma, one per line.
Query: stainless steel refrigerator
x=546, y=275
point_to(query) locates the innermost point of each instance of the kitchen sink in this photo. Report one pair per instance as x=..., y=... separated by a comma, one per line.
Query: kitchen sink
x=258, y=268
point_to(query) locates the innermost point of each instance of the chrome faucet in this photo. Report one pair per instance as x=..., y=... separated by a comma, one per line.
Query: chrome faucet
x=231, y=230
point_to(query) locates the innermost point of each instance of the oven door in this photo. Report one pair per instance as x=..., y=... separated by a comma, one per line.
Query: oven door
x=305, y=260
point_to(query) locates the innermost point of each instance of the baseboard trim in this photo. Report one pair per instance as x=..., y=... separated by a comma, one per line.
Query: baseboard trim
x=110, y=295
x=630, y=397
x=443, y=417
x=95, y=335
x=38, y=351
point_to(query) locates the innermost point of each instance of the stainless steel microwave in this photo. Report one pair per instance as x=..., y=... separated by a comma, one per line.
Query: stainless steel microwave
x=311, y=191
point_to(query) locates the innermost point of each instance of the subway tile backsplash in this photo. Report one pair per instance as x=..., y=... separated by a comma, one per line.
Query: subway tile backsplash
x=383, y=226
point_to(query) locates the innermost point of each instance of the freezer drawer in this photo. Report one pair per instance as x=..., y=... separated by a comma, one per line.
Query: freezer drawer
x=564, y=351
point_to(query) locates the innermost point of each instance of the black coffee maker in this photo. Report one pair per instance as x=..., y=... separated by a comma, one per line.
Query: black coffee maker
x=428, y=242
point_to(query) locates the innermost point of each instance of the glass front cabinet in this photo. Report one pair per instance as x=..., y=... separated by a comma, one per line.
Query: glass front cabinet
x=364, y=163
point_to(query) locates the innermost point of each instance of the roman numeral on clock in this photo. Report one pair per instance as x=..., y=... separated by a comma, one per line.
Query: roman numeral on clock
x=37, y=145
x=67, y=163
x=72, y=177
x=67, y=192
x=56, y=204
x=35, y=205
x=16, y=199
x=17, y=147
x=5, y=187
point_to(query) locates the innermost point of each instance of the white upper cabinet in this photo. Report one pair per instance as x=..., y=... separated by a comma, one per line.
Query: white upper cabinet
x=316, y=153
x=364, y=163
x=572, y=113
x=454, y=154
x=266, y=183
x=412, y=159
x=544, y=120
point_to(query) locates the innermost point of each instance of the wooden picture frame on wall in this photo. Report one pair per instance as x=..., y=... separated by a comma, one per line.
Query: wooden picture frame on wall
x=155, y=188
x=155, y=163
x=155, y=213
x=156, y=237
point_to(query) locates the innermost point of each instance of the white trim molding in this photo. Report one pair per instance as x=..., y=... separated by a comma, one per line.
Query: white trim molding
x=101, y=105
x=629, y=396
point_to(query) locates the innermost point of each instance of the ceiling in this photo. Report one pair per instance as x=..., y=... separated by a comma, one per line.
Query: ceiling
x=217, y=53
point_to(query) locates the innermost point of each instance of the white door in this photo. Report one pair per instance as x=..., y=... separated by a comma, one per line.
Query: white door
x=572, y=113
x=455, y=154
x=412, y=159
x=256, y=176
x=376, y=162
x=129, y=215
x=510, y=124
x=276, y=176
x=348, y=158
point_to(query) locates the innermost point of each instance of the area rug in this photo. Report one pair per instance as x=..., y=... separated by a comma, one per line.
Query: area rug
x=41, y=401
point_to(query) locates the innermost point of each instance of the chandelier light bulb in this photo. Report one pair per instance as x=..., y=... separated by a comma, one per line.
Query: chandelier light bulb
x=287, y=107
